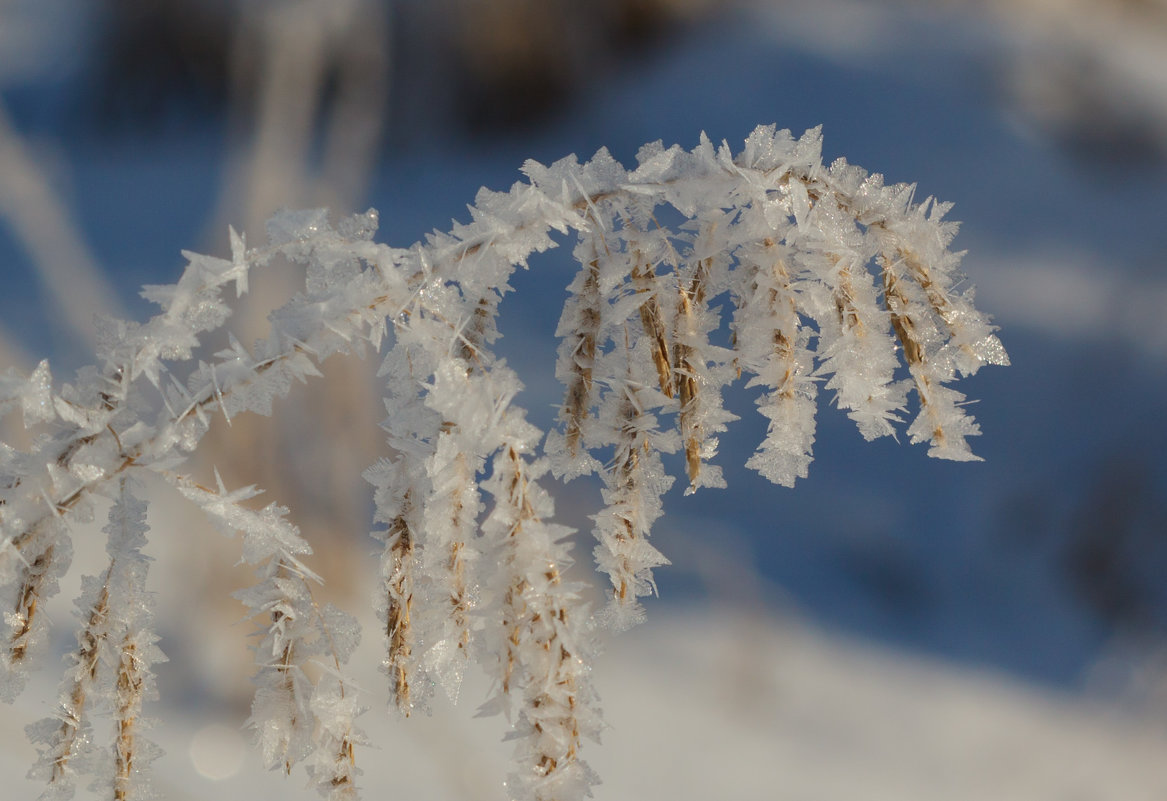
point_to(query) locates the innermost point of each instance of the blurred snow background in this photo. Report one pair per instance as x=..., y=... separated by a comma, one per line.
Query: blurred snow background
x=894, y=626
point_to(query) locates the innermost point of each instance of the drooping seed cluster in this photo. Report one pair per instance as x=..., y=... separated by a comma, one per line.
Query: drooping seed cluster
x=695, y=269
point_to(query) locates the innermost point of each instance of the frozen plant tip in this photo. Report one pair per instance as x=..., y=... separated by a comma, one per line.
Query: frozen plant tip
x=836, y=282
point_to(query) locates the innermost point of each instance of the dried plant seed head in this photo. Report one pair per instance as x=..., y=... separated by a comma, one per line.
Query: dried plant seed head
x=833, y=279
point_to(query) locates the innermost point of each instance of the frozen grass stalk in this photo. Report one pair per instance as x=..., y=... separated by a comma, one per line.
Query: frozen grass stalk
x=834, y=280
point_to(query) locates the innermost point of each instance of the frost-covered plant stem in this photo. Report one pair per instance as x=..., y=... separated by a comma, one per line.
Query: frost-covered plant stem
x=836, y=280
x=111, y=667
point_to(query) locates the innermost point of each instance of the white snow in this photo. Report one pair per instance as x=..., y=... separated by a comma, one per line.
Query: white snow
x=714, y=704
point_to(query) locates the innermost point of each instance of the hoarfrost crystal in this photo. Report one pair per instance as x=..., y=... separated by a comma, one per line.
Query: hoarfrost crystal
x=802, y=278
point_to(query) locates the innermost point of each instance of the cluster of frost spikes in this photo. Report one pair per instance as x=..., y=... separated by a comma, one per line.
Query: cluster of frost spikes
x=835, y=281
x=109, y=671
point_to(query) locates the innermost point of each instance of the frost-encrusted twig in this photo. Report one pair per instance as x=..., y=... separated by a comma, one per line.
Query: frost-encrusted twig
x=579, y=329
x=701, y=369
x=110, y=670
x=634, y=482
x=781, y=362
x=835, y=280
x=305, y=707
x=537, y=629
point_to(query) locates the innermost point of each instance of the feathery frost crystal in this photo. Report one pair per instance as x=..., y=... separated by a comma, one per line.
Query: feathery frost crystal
x=834, y=282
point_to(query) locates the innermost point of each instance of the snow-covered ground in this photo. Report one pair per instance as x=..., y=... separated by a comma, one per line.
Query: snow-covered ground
x=726, y=703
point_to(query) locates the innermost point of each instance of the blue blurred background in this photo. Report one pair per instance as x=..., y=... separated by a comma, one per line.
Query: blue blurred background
x=133, y=129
